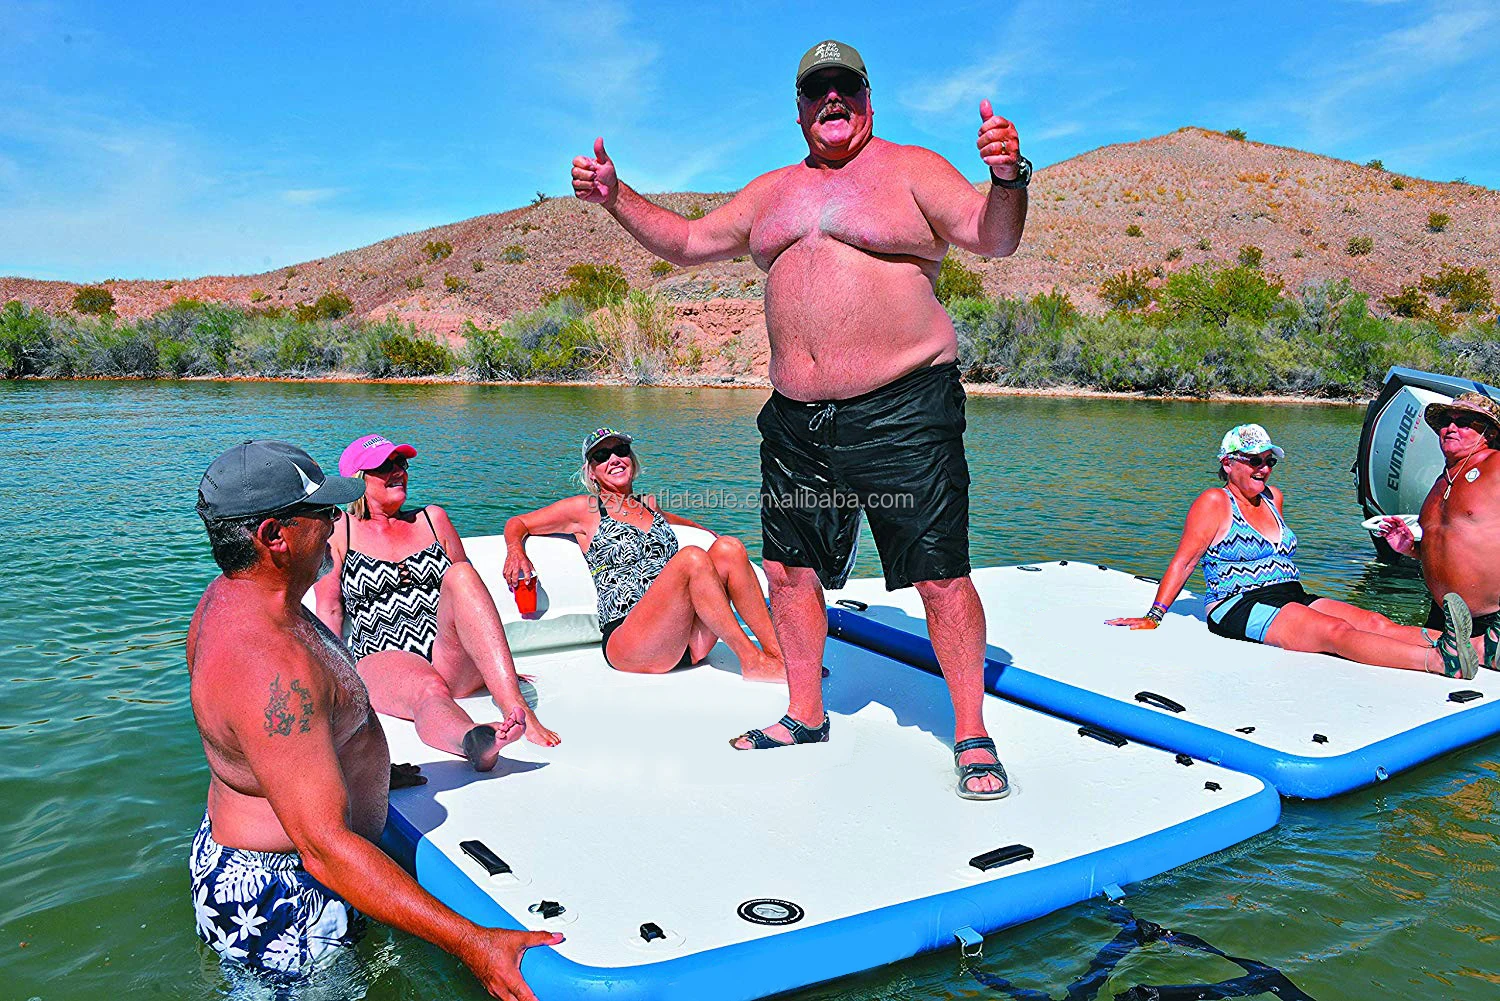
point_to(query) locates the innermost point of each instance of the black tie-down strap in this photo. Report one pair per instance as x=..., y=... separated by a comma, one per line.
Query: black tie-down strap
x=1134, y=932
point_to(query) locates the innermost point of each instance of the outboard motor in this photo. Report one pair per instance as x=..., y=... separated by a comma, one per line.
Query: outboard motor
x=1399, y=455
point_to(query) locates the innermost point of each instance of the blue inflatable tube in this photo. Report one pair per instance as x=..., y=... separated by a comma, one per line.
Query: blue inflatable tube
x=1293, y=775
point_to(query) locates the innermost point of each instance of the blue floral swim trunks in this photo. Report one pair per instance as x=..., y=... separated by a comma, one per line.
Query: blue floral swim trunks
x=265, y=911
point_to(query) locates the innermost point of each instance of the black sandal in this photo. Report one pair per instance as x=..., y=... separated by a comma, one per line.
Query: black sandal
x=979, y=768
x=801, y=734
x=1455, y=647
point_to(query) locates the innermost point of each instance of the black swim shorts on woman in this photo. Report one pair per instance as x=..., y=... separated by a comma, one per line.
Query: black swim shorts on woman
x=1249, y=614
x=896, y=453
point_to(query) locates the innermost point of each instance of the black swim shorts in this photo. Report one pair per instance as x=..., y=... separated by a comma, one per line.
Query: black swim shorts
x=896, y=453
x=1481, y=622
x=1249, y=614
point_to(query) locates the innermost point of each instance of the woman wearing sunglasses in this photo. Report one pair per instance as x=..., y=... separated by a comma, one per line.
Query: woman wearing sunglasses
x=661, y=606
x=1248, y=553
x=421, y=622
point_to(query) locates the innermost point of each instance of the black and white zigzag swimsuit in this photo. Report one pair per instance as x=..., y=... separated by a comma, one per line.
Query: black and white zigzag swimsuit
x=625, y=560
x=393, y=605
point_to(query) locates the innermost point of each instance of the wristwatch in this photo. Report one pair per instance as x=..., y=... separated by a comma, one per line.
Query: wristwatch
x=1023, y=178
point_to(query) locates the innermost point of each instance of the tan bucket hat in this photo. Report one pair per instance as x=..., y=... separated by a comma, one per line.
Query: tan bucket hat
x=1437, y=415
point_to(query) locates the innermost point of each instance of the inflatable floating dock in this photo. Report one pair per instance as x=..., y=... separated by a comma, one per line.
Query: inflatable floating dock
x=679, y=868
x=1311, y=725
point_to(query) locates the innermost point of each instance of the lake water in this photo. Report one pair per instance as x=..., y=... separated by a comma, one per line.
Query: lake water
x=1391, y=892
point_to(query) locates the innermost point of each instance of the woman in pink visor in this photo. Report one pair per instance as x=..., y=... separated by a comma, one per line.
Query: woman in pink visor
x=419, y=618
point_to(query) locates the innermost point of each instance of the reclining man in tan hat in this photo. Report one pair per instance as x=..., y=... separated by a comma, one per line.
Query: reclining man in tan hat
x=1460, y=519
x=286, y=858
x=868, y=412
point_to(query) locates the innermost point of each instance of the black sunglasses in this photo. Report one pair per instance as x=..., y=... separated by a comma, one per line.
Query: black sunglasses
x=390, y=465
x=1258, y=460
x=846, y=82
x=330, y=511
x=603, y=453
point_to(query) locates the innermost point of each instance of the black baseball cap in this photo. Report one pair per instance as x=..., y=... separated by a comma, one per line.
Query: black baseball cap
x=262, y=477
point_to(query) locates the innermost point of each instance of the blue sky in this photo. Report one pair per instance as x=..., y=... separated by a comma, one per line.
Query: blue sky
x=157, y=140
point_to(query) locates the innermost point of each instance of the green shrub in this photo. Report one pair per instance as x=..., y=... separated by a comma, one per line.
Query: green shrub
x=477, y=265
x=1409, y=302
x=1128, y=289
x=1134, y=230
x=412, y=354
x=92, y=300
x=636, y=336
x=1376, y=164
x=1175, y=254
x=1437, y=222
x=414, y=282
x=331, y=305
x=955, y=281
x=695, y=211
x=25, y=341
x=1399, y=184
x=1236, y=134
x=1208, y=296
x=258, y=295
x=661, y=268
x=1359, y=246
x=513, y=254
x=593, y=286
x=453, y=283
x=1467, y=290
x=1204, y=243
x=437, y=250
x=541, y=196
x=1250, y=256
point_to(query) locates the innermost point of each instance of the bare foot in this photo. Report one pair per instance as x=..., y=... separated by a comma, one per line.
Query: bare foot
x=482, y=744
x=538, y=734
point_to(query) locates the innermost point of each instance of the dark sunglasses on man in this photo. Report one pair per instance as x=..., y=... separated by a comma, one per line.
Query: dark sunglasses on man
x=604, y=452
x=847, y=83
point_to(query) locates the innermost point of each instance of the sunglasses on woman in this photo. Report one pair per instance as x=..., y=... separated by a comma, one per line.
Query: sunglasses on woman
x=390, y=465
x=1256, y=461
x=604, y=452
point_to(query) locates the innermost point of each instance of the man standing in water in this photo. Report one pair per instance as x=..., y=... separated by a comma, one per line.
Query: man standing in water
x=1460, y=547
x=868, y=410
x=286, y=858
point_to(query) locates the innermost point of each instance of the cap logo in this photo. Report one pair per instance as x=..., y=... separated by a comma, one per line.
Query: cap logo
x=308, y=486
x=374, y=440
x=828, y=50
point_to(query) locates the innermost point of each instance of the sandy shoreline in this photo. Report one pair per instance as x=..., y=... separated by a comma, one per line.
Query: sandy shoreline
x=738, y=382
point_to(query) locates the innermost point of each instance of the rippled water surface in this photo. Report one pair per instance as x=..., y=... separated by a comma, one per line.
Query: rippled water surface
x=1391, y=892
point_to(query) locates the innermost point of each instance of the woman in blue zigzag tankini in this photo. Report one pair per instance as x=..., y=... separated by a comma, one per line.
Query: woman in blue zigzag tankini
x=661, y=606
x=419, y=618
x=1248, y=553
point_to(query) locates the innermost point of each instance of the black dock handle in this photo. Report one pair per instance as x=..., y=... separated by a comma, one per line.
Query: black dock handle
x=1001, y=856
x=480, y=852
x=1160, y=702
x=1102, y=735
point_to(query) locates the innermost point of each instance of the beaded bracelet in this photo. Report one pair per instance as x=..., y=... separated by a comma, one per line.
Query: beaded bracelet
x=1158, y=611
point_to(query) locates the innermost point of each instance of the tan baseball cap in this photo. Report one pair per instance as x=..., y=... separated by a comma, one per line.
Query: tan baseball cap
x=831, y=53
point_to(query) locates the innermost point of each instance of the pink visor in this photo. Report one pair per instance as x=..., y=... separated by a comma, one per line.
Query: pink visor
x=369, y=451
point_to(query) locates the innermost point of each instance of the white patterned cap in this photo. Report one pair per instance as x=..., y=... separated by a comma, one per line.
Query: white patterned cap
x=1248, y=439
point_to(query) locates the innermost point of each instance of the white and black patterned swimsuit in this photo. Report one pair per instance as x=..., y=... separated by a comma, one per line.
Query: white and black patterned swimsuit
x=625, y=560
x=393, y=604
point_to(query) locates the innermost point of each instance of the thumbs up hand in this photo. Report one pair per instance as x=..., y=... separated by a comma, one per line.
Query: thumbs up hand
x=999, y=146
x=594, y=177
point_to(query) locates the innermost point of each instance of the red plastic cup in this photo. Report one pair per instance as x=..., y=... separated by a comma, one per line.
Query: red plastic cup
x=526, y=595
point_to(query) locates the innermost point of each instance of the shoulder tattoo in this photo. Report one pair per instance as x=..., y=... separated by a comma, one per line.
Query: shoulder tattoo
x=288, y=710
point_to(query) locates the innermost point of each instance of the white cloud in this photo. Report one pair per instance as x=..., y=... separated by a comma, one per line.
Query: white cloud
x=309, y=196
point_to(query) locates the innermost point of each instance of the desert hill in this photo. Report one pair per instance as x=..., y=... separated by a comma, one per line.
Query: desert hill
x=1194, y=191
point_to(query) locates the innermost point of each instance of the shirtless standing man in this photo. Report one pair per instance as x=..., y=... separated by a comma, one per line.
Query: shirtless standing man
x=868, y=410
x=1460, y=547
x=286, y=858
